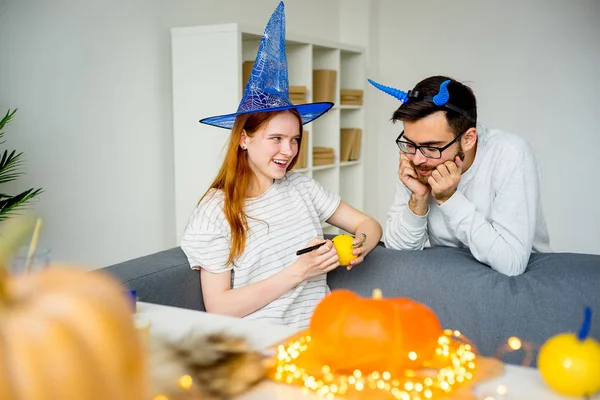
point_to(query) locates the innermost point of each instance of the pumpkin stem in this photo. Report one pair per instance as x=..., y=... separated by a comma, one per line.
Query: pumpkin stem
x=587, y=324
x=377, y=294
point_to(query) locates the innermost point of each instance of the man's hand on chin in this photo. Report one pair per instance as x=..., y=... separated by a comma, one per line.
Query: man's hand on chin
x=445, y=179
x=420, y=192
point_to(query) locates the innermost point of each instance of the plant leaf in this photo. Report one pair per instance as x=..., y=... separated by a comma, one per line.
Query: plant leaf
x=11, y=205
x=6, y=119
x=9, y=166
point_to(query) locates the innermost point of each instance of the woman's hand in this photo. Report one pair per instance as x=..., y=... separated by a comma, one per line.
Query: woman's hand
x=220, y=298
x=359, y=250
x=350, y=219
x=317, y=262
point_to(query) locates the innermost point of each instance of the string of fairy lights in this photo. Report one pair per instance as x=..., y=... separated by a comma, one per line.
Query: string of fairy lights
x=455, y=357
x=454, y=352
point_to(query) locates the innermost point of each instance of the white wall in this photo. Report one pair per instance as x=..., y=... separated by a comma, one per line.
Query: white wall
x=92, y=82
x=534, y=67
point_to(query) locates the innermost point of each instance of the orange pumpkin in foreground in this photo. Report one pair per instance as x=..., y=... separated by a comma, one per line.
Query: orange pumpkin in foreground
x=373, y=334
x=68, y=334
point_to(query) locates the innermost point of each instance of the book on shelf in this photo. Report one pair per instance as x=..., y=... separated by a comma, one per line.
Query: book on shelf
x=324, y=85
x=351, y=97
x=300, y=90
x=322, y=150
x=246, y=71
x=302, y=161
x=356, y=148
x=323, y=155
x=352, y=92
x=298, y=94
x=297, y=99
x=318, y=161
x=352, y=102
x=350, y=140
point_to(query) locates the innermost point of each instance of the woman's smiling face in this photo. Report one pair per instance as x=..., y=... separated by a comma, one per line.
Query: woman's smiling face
x=273, y=147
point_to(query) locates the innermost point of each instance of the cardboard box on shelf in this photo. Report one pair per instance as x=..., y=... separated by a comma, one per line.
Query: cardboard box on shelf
x=324, y=85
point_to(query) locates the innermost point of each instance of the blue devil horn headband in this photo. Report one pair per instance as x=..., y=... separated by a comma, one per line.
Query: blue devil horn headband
x=440, y=99
x=399, y=94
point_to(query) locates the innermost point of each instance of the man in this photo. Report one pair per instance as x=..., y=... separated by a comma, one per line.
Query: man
x=461, y=185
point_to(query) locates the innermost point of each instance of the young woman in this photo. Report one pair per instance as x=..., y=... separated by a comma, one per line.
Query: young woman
x=245, y=232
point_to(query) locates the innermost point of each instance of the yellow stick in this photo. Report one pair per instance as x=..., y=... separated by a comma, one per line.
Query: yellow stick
x=33, y=244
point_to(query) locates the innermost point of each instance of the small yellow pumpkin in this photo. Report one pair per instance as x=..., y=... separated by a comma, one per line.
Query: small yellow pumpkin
x=68, y=334
x=343, y=245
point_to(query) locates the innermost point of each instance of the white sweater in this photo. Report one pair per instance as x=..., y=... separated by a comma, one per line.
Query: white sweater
x=496, y=210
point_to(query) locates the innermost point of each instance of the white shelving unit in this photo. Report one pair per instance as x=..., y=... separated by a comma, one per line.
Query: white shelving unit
x=207, y=80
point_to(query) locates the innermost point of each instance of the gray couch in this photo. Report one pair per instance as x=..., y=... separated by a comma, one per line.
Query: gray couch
x=486, y=306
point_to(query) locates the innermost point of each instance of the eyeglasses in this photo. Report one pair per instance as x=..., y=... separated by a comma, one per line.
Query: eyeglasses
x=427, y=151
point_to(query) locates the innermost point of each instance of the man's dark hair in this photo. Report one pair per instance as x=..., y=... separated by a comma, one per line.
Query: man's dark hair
x=461, y=96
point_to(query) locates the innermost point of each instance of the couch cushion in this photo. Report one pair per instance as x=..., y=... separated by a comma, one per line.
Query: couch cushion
x=162, y=278
x=486, y=306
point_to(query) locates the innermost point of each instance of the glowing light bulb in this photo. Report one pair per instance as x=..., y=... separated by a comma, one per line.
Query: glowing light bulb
x=514, y=343
x=185, y=382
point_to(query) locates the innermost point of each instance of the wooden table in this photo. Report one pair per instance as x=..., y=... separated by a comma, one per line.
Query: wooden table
x=171, y=322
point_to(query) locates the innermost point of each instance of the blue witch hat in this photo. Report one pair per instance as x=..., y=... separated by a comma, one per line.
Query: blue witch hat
x=267, y=89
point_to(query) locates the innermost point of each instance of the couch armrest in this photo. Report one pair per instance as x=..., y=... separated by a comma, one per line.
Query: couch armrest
x=163, y=278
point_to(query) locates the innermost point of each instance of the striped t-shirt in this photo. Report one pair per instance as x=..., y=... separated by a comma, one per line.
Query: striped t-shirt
x=281, y=221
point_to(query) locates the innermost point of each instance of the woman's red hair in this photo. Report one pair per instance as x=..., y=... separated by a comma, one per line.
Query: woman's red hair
x=234, y=176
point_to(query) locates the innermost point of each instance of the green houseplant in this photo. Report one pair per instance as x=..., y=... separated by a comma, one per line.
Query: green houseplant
x=10, y=165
